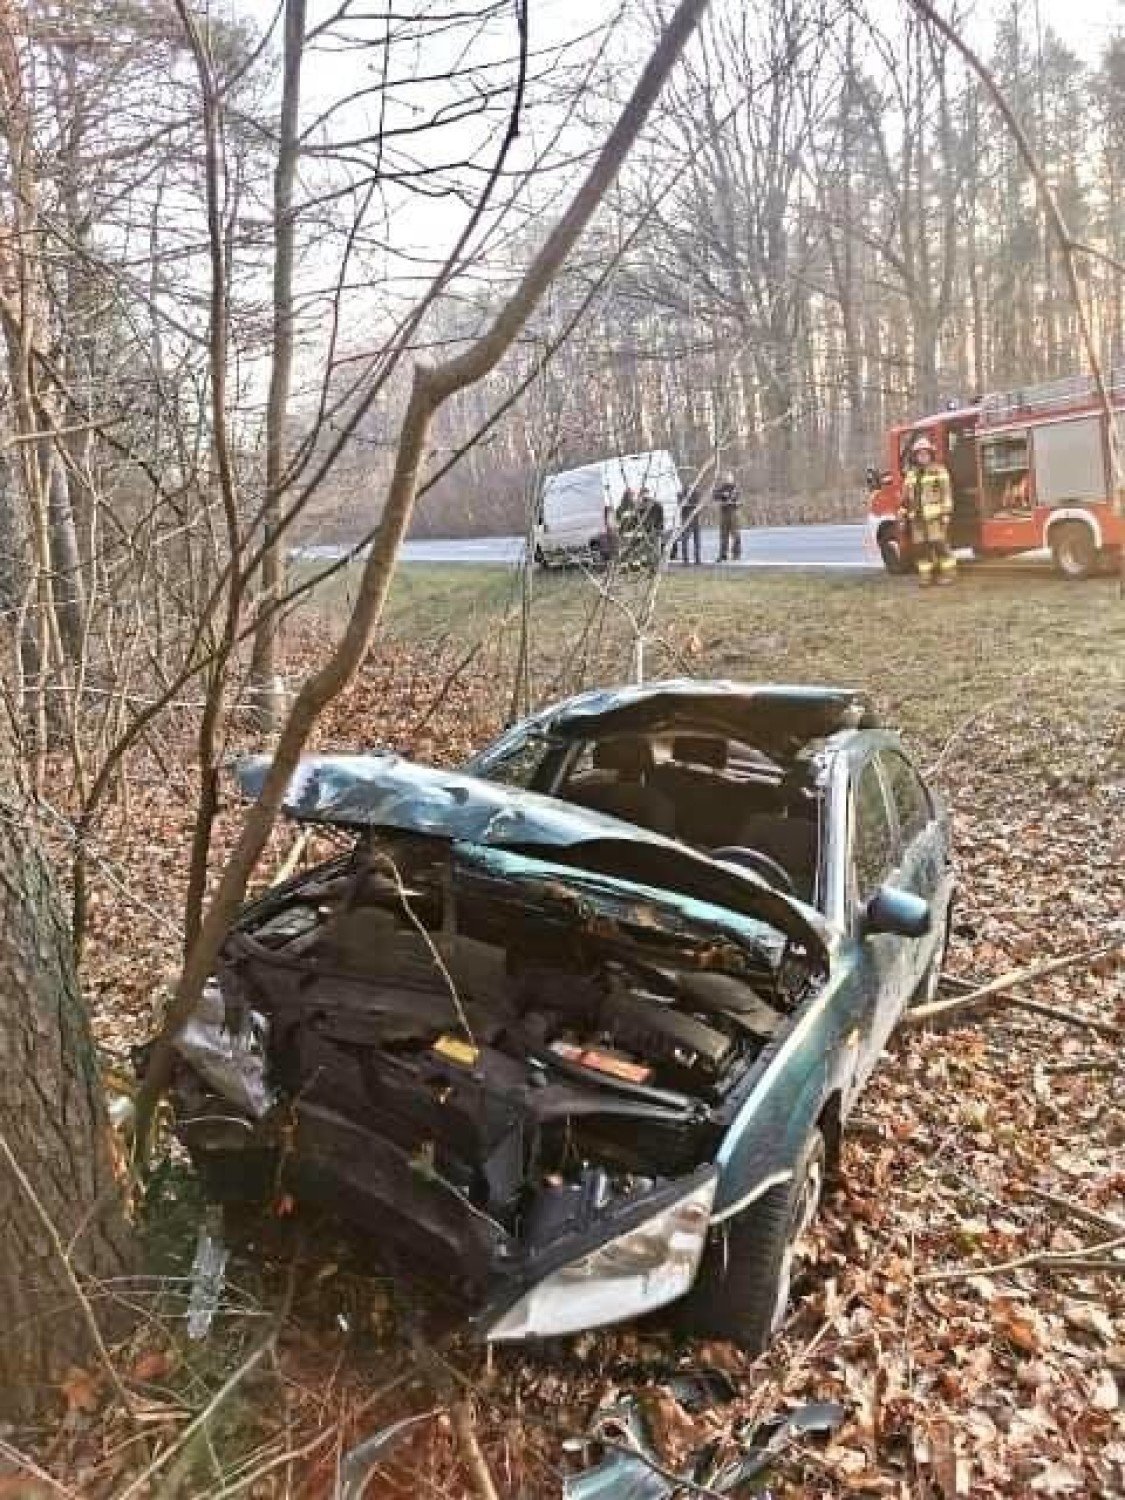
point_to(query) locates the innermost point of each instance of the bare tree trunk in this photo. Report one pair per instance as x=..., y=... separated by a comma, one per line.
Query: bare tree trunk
x=265, y=685
x=53, y=1126
x=66, y=559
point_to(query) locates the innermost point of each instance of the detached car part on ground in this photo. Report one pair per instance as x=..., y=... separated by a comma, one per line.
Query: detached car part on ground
x=570, y=1066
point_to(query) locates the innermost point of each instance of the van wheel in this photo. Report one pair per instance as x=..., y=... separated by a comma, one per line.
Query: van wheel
x=744, y=1284
x=1074, y=550
x=890, y=551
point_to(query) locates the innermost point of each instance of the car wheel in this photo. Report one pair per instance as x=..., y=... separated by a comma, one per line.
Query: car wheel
x=1074, y=550
x=744, y=1284
x=541, y=559
x=890, y=551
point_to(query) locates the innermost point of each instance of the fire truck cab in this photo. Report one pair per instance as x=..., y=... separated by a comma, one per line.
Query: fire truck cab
x=1030, y=470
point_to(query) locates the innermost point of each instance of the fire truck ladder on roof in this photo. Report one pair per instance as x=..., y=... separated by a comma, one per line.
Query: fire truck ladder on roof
x=1050, y=395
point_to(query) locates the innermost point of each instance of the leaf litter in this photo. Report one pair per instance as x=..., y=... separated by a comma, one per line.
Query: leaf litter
x=980, y=1151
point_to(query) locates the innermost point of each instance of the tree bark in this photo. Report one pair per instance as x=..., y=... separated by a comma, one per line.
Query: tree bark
x=53, y=1122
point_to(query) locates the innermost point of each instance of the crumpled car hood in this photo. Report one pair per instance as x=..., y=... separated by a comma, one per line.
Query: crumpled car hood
x=384, y=791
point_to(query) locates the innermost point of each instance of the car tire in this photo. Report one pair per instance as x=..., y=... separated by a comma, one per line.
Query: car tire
x=927, y=991
x=891, y=552
x=541, y=560
x=1074, y=550
x=746, y=1277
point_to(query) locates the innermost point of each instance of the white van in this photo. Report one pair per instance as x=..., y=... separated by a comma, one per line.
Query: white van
x=578, y=508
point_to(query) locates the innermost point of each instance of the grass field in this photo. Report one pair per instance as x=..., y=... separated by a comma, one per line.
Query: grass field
x=930, y=658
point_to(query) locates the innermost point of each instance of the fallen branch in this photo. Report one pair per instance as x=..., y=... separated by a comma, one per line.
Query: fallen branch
x=1086, y=1065
x=1070, y=1017
x=999, y=988
x=1075, y=1210
x=26, y=1466
x=1102, y=1267
x=1067, y=1259
x=455, y=1391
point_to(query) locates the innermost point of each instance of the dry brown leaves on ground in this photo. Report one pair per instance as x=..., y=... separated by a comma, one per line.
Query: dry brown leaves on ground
x=967, y=1305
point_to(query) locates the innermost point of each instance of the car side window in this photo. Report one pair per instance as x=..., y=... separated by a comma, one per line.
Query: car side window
x=873, y=841
x=910, y=798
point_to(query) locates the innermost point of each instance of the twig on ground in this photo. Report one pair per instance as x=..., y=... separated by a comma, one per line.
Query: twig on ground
x=27, y=1465
x=1070, y=1017
x=456, y=1390
x=204, y=1417
x=1000, y=988
x=1096, y=1264
x=1086, y=1065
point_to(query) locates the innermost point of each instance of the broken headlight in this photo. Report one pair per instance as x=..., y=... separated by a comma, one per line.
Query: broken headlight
x=644, y=1268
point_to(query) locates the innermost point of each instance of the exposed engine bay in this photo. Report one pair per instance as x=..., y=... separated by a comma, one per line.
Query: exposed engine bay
x=478, y=1056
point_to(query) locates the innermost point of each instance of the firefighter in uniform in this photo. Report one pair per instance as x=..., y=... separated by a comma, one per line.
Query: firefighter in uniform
x=927, y=509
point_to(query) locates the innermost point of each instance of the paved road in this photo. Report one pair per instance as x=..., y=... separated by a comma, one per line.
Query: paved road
x=762, y=547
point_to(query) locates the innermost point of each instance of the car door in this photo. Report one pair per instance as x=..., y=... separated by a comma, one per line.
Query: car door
x=874, y=854
x=923, y=867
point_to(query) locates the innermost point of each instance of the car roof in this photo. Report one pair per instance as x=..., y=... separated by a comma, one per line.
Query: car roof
x=775, y=712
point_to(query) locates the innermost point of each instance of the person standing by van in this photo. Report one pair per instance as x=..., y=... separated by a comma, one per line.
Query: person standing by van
x=628, y=524
x=651, y=518
x=727, y=497
x=691, y=510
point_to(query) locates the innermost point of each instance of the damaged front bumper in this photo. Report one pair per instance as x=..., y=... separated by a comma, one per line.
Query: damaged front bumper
x=634, y=1261
x=583, y=1256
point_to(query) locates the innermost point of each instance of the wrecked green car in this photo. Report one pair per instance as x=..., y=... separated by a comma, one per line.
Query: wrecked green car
x=575, y=1031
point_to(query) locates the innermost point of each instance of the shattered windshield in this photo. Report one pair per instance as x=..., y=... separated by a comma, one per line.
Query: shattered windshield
x=515, y=759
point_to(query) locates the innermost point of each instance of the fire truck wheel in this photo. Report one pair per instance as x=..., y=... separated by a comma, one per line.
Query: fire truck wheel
x=1074, y=549
x=891, y=552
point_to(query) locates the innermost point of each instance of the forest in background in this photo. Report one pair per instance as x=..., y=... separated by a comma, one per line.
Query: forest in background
x=854, y=239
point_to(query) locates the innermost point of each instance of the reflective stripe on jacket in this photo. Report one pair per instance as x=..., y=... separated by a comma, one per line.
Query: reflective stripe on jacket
x=927, y=494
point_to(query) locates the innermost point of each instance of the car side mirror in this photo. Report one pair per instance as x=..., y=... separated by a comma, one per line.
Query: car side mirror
x=871, y=476
x=901, y=912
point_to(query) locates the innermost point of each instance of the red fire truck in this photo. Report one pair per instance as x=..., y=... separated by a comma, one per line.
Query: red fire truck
x=1030, y=470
